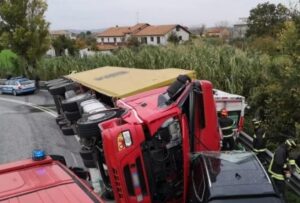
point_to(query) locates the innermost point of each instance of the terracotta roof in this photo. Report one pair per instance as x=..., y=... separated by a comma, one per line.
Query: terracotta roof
x=114, y=32
x=157, y=30
x=122, y=31
x=106, y=47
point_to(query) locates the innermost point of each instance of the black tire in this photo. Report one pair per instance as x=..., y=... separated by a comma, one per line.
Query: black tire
x=88, y=158
x=61, y=89
x=54, y=81
x=59, y=118
x=67, y=130
x=62, y=123
x=71, y=104
x=87, y=127
x=73, y=115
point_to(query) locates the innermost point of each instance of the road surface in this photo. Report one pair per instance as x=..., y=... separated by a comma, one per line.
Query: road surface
x=24, y=128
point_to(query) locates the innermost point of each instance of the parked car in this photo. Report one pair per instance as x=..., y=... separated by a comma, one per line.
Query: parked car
x=18, y=85
x=229, y=177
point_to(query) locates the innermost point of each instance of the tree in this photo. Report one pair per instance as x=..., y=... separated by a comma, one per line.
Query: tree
x=173, y=38
x=133, y=42
x=25, y=30
x=62, y=43
x=267, y=20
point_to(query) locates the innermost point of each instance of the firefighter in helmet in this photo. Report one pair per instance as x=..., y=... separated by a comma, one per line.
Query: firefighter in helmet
x=259, y=139
x=279, y=168
x=226, y=125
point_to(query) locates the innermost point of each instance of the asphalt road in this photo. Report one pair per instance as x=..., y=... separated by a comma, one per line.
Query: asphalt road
x=24, y=128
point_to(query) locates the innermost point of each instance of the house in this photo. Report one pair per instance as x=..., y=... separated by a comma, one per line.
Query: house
x=119, y=35
x=223, y=33
x=66, y=33
x=159, y=34
x=145, y=33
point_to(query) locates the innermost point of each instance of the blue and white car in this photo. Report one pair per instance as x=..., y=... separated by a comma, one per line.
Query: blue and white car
x=18, y=85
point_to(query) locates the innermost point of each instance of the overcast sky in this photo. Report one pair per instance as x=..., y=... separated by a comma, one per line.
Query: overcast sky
x=95, y=14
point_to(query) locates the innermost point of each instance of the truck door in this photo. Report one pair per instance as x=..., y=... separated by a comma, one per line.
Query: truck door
x=204, y=133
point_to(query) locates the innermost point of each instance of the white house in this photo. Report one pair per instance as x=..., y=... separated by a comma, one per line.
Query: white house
x=147, y=34
x=159, y=34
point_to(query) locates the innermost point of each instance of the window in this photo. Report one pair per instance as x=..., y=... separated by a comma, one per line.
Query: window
x=158, y=40
x=180, y=38
x=177, y=28
x=152, y=39
x=115, y=40
x=144, y=40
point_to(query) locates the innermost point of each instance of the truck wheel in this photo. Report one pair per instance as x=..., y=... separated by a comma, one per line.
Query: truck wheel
x=87, y=127
x=71, y=103
x=61, y=89
x=73, y=115
x=62, y=123
x=69, y=94
x=87, y=156
x=177, y=86
x=56, y=83
x=59, y=118
x=67, y=130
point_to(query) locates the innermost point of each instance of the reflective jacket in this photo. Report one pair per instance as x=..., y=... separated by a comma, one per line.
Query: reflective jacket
x=259, y=140
x=279, y=162
x=226, y=125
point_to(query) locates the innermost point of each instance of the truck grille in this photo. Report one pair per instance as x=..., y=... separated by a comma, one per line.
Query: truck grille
x=118, y=184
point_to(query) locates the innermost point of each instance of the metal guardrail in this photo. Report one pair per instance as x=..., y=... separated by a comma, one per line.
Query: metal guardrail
x=293, y=183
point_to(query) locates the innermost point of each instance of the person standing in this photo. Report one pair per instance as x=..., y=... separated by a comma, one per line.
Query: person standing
x=226, y=125
x=279, y=167
x=259, y=140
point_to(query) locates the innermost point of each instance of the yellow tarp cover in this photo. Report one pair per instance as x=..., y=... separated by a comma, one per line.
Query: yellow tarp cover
x=121, y=82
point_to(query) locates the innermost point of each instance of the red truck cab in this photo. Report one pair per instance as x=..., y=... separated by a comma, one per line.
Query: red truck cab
x=46, y=180
x=147, y=149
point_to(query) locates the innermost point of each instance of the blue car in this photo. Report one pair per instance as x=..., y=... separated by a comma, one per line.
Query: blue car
x=18, y=85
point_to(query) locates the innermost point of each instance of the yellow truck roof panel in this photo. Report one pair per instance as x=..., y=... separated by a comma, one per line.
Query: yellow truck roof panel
x=121, y=82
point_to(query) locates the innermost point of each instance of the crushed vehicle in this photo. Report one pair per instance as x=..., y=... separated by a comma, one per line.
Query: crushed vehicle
x=17, y=86
x=229, y=177
x=44, y=179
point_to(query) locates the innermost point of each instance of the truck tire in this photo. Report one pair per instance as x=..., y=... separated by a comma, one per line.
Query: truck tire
x=87, y=156
x=59, y=118
x=71, y=104
x=72, y=115
x=69, y=94
x=87, y=127
x=67, y=130
x=55, y=84
x=61, y=88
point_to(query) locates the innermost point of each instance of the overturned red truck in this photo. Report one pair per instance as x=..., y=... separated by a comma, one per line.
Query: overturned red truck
x=144, y=153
